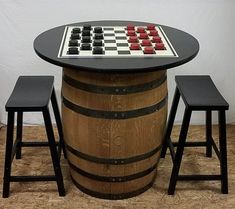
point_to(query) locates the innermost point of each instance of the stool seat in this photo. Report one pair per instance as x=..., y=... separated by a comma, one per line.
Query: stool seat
x=31, y=93
x=199, y=92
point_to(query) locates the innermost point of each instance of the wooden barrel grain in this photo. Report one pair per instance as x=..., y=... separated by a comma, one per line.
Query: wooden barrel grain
x=113, y=128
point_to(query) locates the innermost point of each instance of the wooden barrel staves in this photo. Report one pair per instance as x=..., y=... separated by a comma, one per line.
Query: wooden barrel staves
x=113, y=129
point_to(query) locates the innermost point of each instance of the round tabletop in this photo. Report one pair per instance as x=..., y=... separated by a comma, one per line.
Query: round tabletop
x=47, y=46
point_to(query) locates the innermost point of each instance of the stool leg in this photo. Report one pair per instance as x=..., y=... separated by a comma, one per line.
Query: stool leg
x=179, y=151
x=8, y=153
x=53, y=150
x=208, y=134
x=19, y=134
x=58, y=122
x=170, y=122
x=223, y=152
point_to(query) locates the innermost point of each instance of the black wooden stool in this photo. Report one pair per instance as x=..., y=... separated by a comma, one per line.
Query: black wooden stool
x=199, y=94
x=32, y=94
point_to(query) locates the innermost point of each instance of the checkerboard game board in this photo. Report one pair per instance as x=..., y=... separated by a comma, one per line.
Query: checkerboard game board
x=115, y=41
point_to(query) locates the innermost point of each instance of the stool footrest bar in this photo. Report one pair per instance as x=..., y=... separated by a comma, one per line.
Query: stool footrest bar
x=191, y=144
x=199, y=177
x=36, y=144
x=32, y=178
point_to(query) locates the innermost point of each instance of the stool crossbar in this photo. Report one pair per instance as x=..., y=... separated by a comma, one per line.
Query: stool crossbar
x=199, y=94
x=32, y=94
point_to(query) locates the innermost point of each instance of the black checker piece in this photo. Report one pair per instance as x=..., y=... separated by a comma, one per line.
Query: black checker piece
x=73, y=43
x=99, y=36
x=98, y=43
x=76, y=30
x=86, y=46
x=86, y=27
x=73, y=50
x=86, y=39
x=86, y=33
x=98, y=50
x=98, y=30
x=75, y=36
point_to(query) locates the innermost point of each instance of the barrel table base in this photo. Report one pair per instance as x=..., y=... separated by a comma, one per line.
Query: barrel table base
x=113, y=129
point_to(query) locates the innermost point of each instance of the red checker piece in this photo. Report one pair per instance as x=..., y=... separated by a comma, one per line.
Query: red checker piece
x=153, y=33
x=150, y=27
x=131, y=33
x=157, y=39
x=149, y=50
x=135, y=47
x=159, y=46
x=143, y=36
x=146, y=43
x=130, y=27
x=133, y=39
x=140, y=30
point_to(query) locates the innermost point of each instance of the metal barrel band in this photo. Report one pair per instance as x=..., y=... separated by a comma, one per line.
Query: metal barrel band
x=116, y=90
x=116, y=179
x=112, y=196
x=112, y=161
x=118, y=115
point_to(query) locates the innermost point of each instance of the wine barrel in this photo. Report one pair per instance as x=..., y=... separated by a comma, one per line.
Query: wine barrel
x=113, y=130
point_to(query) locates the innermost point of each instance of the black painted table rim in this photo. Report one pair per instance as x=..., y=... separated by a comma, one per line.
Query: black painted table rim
x=47, y=44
